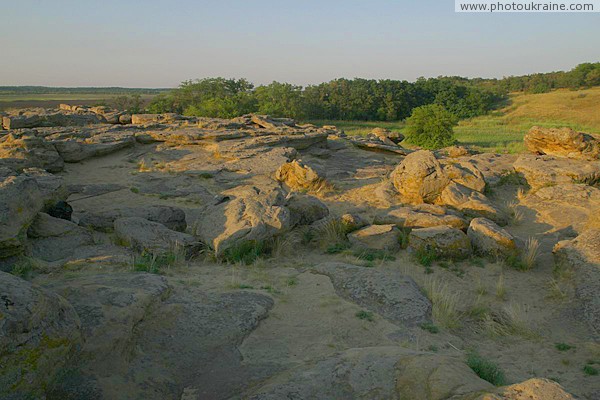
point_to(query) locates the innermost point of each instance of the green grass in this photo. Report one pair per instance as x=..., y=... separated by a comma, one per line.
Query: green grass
x=429, y=327
x=246, y=252
x=590, y=370
x=502, y=131
x=486, y=369
x=365, y=315
x=563, y=346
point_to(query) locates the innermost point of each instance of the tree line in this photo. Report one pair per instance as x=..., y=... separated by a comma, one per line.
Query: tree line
x=360, y=99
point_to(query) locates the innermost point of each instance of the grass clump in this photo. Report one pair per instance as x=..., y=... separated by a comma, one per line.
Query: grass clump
x=246, y=252
x=444, y=303
x=486, y=369
x=425, y=256
x=429, y=327
x=563, y=346
x=365, y=315
x=510, y=320
x=373, y=255
x=337, y=248
x=526, y=259
x=24, y=267
x=590, y=370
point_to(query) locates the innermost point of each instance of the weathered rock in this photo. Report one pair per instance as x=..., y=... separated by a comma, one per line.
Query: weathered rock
x=28, y=150
x=52, y=187
x=38, y=333
x=562, y=142
x=298, y=176
x=444, y=241
x=246, y=213
x=421, y=216
x=378, y=145
x=385, y=134
x=489, y=239
x=376, y=237
x=376, y=373
x=394, y=296
x=471, y=203
x=153, y=237
x=32, y=118
x=353, y=222
x=531, y=389
x=304, y=210
x=144, y=119
x=20, y=201
x=419, y=178
x=466, y=174
x=583, y=254
x=171, y=217
x=455, y=151
x=564, y=206
x=53, y=239
x=75, y=150
x=541, y=171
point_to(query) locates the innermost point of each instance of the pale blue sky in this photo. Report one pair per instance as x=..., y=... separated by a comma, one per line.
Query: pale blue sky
x=159, y=43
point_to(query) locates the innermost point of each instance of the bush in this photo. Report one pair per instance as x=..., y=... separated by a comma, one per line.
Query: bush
x=431, y=127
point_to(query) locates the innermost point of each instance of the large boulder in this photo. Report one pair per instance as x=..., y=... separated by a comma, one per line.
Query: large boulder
x=376, y=237
x=28, y=150
x=245, y=213
x=39, y=331
x=562, y=142
x=53, y=239
x=443, y=241
x=540, y=171
x=489, y=239
x=153, y=237
x=298, y=176
x=419, y=178
x=20, y=201
x=171, y=217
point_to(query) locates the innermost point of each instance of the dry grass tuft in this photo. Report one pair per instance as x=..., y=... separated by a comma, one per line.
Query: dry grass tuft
x=445, y=303
x=510, y=320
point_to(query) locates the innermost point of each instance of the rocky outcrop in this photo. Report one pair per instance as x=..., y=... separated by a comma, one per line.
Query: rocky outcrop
x=562, y=142
x=154, y=238
x=53, y=239
x=39, y=332
x=565, y=206
x=146, y=119
x=541, y=171
x=27, y=150
x=471, y=203
x=90, y=144
x=39, y=117
x=392, y=295
x=305, y=210
x=583, y=254
x=443, y=241
x=421, y=216
x=376, y=237
x=419, y=178
x=377, y=373
x=171, y=217
x=489, y=239
x=531, y=389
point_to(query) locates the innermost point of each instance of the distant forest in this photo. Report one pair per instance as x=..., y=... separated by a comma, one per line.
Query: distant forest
x=361, y=99
x=339, y=99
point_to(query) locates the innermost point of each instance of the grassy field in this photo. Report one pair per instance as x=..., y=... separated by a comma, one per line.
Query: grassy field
x=50, y=100
x=503, y=130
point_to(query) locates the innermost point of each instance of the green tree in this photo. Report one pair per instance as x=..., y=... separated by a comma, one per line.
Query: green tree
x=431, y=127
x=280, y=100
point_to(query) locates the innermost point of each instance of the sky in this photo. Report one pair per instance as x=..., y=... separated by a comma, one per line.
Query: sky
x=161, y=43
